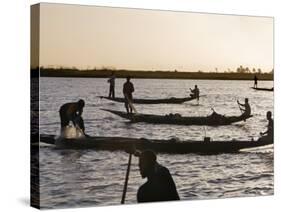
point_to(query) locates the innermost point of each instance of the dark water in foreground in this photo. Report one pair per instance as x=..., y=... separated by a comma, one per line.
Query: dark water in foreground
x=85, y=178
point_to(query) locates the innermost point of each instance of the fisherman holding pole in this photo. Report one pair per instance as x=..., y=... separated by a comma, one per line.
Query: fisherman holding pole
x=195, y=93
x=255, y=81
x=246, y=110
x=111, y=82
x=128, y=89
x=159, y=186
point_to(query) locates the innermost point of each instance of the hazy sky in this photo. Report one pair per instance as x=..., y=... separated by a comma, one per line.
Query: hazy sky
x=87, y=37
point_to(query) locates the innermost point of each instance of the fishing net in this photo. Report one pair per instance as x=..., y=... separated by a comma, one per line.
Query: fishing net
x=72, y=132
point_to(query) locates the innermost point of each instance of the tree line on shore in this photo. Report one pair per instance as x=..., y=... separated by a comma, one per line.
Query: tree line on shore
x=241, y=73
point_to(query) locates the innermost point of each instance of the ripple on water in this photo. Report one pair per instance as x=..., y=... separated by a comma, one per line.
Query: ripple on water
x=86, y=178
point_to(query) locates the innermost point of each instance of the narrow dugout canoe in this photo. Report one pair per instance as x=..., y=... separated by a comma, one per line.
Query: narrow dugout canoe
x=172, y=100
x=263, y=89
x=176, y=119
x=163, y=146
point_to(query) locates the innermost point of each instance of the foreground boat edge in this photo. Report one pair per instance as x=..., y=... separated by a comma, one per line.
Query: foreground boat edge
x=161, y=146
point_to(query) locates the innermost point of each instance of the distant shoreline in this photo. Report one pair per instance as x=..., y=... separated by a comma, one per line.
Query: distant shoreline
x=104, y=73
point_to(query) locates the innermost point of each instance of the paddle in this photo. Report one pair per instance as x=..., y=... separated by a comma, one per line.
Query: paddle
x=239, y=107
x=126, y=179
x=242, y=112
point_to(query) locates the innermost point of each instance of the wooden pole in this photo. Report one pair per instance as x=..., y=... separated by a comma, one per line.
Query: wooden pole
x=239, y=107
x=126, y=180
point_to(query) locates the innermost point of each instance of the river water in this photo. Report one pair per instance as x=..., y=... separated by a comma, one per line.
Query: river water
x=78, y=178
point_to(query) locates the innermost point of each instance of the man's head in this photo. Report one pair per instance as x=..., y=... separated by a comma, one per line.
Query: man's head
x=195, y=86
x=147, y=162
x=246, y=100
x=128, y=79
x=81, y=103
x=268, y=115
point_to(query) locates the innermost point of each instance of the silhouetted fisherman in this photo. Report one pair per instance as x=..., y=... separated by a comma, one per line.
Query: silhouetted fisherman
x=160, y=185
x=128, y=89
x=255, y=81
x=111, y=82
x=268, y=135
x=72, y=112
x=195, y=93
x=247, y=109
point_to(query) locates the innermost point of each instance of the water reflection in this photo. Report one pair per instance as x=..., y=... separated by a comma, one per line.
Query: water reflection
x=84, y=178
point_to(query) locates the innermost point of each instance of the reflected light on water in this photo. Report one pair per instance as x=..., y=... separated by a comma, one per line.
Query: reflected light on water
x=85, y=178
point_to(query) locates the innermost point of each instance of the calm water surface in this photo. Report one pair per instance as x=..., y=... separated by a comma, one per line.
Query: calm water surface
x=76, y=178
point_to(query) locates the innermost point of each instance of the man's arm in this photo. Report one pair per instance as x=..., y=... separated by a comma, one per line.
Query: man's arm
x=79, y=112
x=240, y=104
x=269, y=128
x=264, y=133
x=77, y=116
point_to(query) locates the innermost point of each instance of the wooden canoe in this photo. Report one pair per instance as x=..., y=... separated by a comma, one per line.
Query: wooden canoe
x=172, y=100
x=263, y=89
x=164, y=146
x=176, y=119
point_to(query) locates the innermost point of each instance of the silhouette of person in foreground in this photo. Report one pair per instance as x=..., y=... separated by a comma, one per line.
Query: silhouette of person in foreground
x=159, y=185
x=255, y=81
x=195, y=93
x=111, y=82
x=268, y=135
x=128, y=89
x=72, y=112
x=247, y=109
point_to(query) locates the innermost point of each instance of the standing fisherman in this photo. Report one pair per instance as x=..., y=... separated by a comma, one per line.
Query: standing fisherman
x=128, y=89
x=111, y=82
x=255, y=81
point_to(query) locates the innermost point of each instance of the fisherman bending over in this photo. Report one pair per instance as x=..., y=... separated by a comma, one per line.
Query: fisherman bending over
x=111, y=82
x=159, y=185
x=72, y=112
x=128, y=89
x=195, y=93
x=247, y=109
x=268, y=135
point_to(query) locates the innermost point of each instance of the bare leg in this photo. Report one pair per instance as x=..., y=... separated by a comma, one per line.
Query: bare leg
x=127, y=106
x=64, y=122
x=110, y=92
x=113, y=92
